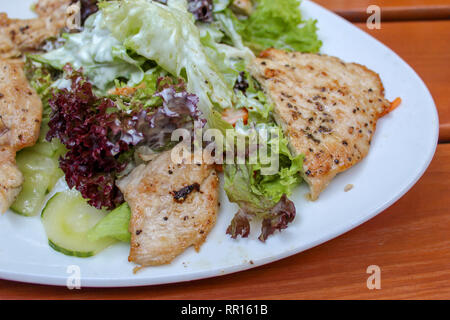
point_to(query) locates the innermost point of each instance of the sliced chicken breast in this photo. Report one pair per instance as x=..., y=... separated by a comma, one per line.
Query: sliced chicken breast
x=328, y=109
x=22, y=35
x=174, y=206
x=11, y=178
x=20, y=107
x=20, y=121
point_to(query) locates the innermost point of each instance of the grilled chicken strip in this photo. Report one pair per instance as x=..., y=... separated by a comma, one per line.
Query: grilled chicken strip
x=328, y=109
x=173, y=207
x=20, y=120
x=22, y=35
x=11, y=178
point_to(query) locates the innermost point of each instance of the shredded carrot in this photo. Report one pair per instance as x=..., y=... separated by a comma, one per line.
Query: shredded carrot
x=126, y=91
x=394, y=105
x=232, y=116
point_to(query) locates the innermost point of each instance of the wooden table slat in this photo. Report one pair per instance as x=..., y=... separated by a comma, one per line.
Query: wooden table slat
x=444, y=132
x=391, y=10
x=425, y=46
x=409, y=242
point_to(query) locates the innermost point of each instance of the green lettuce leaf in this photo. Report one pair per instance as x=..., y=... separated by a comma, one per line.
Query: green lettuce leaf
x=102, y=57
x=232, y=60
x=41, y=77
x=255, y=101
x=255, y=190
x=168, y=35
x=220, y=5
x=113, y=225
x=277, y=24
x=144, y=96
x=225, y=65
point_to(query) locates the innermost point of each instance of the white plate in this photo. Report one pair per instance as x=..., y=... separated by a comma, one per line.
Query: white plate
x=402, y=149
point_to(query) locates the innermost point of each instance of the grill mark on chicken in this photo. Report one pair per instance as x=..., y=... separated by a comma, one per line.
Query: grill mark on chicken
x=336, y=105
x=181, y=195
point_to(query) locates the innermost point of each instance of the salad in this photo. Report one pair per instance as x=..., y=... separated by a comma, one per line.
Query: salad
x=135, y=71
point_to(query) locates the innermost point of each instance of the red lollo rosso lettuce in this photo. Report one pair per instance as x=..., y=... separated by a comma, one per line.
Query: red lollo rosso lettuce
x=277, y=218
x=280, y=216
x=100, y=137
x=240, y=225
x=201, y=9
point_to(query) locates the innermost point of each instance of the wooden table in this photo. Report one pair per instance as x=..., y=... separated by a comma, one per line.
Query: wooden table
x=425, y=45
x=392, y=10
x=410, y=241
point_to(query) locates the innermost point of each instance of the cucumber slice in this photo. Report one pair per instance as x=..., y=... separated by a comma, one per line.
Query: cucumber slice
x=52, y=149
x=40, y=176
x=31, y=199
x=29, y=161
x=67, y=219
